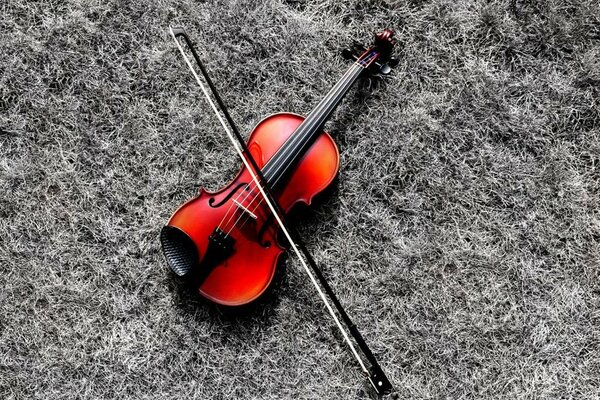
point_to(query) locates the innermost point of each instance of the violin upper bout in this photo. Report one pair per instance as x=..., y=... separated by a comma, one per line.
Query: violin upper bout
x=314, y=173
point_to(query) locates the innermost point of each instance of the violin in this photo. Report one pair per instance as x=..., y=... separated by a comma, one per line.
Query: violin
x=226, y=242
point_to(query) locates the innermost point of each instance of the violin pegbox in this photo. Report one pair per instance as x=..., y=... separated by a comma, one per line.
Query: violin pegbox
x=383, y=46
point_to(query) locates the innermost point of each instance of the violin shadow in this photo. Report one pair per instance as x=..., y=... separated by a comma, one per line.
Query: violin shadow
x=309, y=220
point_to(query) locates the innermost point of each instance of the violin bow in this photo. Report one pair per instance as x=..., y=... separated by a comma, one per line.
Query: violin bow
x=374, y=374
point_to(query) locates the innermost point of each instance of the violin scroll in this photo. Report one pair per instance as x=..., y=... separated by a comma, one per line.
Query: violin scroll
x=384, y=43
x=385, y=36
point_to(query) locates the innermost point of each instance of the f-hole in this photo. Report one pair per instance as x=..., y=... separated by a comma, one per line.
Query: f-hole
x=211, y=201
x=263, y=229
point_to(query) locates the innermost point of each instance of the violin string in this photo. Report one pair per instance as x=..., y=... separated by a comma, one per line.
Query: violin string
x=363, y=62
x=321, y=106
x=229, y=209
x=250, y=192
x=332, y=95
x=348, y=78
x=339, y=88
x=283, y=162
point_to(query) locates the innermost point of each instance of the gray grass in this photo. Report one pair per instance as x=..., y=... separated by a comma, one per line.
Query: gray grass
x=462, y=234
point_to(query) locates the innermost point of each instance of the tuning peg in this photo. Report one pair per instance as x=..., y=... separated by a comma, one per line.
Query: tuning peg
x=385, y=69
x=348, y=54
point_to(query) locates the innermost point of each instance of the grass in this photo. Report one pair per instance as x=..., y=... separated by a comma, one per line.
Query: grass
x=462, y=234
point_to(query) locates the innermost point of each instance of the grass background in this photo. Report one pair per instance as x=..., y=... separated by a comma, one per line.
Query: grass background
x=462, y=234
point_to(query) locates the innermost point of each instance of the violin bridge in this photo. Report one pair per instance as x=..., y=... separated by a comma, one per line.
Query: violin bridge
x=250, y=213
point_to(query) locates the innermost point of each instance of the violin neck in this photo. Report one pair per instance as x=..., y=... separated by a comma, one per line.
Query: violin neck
x=297, y=144
x=319, y=115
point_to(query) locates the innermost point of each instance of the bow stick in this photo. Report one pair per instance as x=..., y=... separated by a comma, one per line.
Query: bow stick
x=375, y=374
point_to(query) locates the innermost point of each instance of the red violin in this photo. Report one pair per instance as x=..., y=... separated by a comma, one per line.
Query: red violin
x=227, y=241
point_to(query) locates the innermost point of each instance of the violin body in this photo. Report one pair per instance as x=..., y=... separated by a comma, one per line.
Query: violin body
x=246, y=272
